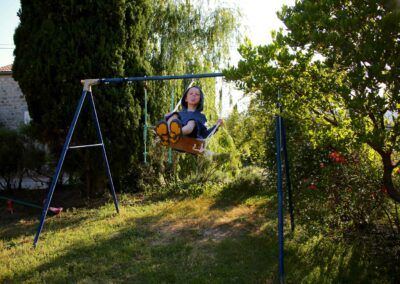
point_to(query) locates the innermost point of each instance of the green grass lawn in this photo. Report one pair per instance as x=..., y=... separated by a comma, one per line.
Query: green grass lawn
x=192, y=240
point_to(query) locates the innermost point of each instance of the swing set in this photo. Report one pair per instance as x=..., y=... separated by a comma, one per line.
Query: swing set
x=190, y=145
x=186, y=144
x=10, y=206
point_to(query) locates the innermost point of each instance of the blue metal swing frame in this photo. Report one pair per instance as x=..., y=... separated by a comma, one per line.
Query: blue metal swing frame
x=280, y=138
x=87, y=94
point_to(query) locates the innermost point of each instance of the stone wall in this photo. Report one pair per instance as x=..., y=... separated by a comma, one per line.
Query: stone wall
x=13, y=107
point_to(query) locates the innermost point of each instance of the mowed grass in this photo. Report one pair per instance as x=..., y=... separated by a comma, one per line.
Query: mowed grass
x=192, y=240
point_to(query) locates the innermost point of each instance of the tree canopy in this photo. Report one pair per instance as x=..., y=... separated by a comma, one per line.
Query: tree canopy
x=337, y=66
x=58, y=43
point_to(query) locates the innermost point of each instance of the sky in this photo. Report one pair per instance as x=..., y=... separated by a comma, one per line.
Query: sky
x=8, y=22
x=259, y=16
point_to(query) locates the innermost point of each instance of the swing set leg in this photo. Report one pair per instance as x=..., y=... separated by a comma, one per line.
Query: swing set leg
x=66, y=147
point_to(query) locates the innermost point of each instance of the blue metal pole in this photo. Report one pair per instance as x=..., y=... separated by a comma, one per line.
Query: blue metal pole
x=280, y=197
x=59, y=166
x=155, y=78
x=145, y=126
x=100, y=137
x=287, y=172
x=171, y=110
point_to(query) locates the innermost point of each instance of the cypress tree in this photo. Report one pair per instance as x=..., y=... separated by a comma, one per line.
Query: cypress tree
x=60, y=42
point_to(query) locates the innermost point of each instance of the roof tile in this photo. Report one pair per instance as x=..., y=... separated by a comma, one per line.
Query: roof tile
x=7, y=68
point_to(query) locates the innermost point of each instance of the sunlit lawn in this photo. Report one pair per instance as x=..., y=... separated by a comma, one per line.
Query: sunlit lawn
x=193, y=240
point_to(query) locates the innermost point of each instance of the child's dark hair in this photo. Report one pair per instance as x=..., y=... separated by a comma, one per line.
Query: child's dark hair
x=201, y=103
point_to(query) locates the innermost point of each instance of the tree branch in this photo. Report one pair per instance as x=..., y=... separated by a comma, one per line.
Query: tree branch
x=373, y=119
x=331, y=121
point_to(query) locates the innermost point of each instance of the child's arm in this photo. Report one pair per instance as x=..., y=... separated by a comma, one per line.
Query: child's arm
x=215, y=127
x=171, y=114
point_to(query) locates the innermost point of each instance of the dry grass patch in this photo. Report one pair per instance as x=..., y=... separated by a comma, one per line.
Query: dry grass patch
x=195, y=221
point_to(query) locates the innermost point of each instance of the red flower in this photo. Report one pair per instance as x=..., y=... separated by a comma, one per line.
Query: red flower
x=337, y=157
x=10, y=206
x=9, y=203
x=312, y=186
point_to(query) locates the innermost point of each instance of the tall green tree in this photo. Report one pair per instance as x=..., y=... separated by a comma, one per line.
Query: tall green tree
x=60, y=42
x=362, y=40
x=192, y=37
x=338, y=65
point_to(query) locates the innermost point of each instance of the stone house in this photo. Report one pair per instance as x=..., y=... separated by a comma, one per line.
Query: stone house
x=13, y=106
x=13, y=113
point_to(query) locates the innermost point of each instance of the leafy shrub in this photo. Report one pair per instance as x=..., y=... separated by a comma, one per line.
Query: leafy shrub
x=19, y=156
x=188, y=175
x=342, y=191
x=248, y=183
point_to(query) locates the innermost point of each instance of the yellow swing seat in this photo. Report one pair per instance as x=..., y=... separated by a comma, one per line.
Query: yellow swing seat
x=189, y=145
x=192, y=145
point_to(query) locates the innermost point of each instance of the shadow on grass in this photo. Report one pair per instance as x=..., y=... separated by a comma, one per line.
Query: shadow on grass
x=25, y=220
x=238, y=192
x=131, y=255
x=137, y=253
x=141, y=251
x=330, y=261
x=28, y=227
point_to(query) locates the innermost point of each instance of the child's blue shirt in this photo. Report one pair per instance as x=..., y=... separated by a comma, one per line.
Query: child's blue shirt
x=185, y=116
x=201, y=130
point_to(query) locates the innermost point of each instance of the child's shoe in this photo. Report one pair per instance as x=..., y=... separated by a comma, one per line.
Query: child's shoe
x=175, y=131
x=162, y=132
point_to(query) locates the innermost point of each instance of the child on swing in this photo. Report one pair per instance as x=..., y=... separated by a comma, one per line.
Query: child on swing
x=190, y=121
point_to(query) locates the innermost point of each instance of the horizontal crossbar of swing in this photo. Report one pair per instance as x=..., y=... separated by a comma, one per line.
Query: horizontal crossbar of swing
x=21, y=202
x=85, y=146
x=156, y=78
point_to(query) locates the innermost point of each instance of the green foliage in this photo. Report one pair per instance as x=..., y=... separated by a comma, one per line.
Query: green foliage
x=247, y=183
x=336, y=185
x=359, y=40
x=191, y=177
x=59, y=44
x=19, y=155
x=335, y=69
x=249, y=131
x=184, y=241
x=344, y=189
x=191, y=38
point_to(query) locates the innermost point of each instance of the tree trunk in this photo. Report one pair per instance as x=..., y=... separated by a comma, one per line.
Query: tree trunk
x=387, y=176
x=86, y=176
x=93, y=176
x=88, y=183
